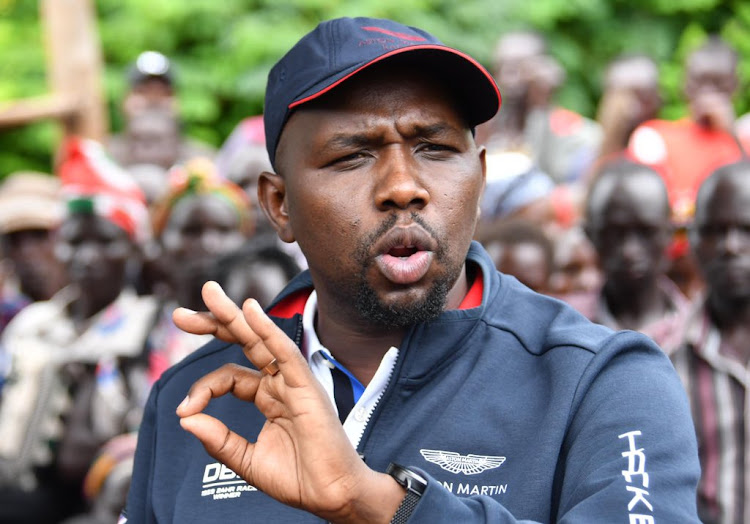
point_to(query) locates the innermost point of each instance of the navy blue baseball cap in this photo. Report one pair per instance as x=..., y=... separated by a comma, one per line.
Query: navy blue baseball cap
x=338, y=49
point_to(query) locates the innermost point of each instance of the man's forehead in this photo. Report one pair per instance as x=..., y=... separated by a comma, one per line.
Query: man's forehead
x=412, y=101
x=711, y=63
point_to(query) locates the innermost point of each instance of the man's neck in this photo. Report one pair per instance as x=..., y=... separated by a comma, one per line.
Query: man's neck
x=733, y=322
x=638, y=305
x=358, y=344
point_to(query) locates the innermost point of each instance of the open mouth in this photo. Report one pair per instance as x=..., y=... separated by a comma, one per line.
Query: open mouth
x=405, y=255
x=403, y=251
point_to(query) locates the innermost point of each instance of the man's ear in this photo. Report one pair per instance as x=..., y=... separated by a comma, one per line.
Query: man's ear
x=272, y=198
x=591, y=234
x=483, y=162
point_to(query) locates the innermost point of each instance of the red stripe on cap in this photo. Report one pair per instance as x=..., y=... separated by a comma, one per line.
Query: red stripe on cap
x=402, y=36
x=396, y=52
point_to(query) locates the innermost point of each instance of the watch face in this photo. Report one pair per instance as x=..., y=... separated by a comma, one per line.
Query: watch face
x=409, y=479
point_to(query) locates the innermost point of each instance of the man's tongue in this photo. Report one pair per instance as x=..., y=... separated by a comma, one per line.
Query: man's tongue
x=404, y=264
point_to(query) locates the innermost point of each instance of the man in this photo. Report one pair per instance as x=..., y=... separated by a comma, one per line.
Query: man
x=686, y=151
x=202, y=218
x=560, y=142
x=30, y=212
x=72, y=356
x=496, y=402
x=714, y=362
x=153, y=133
x=630, y=97
x=576, y=277
x=520, y=248
x=628, y=222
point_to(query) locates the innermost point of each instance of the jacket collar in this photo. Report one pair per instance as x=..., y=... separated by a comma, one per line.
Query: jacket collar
x=426, y=345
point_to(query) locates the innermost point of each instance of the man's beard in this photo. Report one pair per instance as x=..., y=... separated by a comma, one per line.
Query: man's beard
x=371, y=308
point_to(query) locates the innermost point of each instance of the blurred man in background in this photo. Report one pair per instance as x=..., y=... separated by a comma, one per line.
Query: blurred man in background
x=714, y=361
x=630, y=97
x=153, y=133
x=74, y=358
x=628, y=222
x=30, y=212
x=560, y=142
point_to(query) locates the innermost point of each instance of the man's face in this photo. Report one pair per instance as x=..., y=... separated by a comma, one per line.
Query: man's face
x=154, y=138
x=200, y=229
x=94, y=251
x=635, y=86
x=722, y=241
x=514, y=59
x=526, y=261
x=710, y=82
x=32, y=253
x=382, y=186
x=629, y=228
x=576, y=265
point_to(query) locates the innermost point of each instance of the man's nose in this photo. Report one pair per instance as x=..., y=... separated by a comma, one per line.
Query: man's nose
x=87, y=254
x=400, y=183
x=210, y=241
x=632, y=246
x=735, y=240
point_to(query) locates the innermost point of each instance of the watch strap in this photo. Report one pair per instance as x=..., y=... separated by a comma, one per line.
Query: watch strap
x=414, y=485
x=407, y=507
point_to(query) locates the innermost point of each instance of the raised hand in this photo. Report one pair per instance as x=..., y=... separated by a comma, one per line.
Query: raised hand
x=302, y=456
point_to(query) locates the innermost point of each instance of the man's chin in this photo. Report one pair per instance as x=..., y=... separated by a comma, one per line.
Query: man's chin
x=404, y=310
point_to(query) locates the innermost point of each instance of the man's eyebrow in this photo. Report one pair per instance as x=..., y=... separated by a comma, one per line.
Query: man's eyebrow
x=354, y=140
x=437, y=129
x=346, y=140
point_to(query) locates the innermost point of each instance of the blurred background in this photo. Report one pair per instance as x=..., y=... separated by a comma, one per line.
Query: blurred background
x=222, y=51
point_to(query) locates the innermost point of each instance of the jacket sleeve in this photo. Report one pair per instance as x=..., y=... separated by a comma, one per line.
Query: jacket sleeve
x=629, y=454
x=139, y=507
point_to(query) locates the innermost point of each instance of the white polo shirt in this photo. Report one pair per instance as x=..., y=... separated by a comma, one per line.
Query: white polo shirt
x=321, y=362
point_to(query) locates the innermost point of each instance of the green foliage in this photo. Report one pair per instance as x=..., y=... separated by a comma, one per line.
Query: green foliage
x=222, y=50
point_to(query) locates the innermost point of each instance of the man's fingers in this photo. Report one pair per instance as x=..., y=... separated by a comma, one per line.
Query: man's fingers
x=277, y=345
x=224, y=445
x=231, y=318
x=240, y=381
x=198, y=323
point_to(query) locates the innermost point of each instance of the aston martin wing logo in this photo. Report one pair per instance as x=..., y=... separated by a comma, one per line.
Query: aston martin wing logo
x=456, y=463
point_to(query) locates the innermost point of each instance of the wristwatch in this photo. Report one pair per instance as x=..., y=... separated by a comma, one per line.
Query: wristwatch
x=414, y=484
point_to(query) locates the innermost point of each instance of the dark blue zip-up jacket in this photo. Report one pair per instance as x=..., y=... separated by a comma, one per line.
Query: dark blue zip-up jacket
x=517, y=410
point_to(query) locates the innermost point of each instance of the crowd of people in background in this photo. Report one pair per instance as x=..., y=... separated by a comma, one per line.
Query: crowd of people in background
x=638, y=223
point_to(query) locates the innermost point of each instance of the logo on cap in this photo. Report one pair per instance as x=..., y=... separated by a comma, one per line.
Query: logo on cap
x=402, y=36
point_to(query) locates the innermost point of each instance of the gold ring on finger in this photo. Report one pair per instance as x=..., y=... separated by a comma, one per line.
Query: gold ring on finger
x=271, y=368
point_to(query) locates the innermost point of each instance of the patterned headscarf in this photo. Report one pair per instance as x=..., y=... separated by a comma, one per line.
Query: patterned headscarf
x=93, y=183
x=200, y=177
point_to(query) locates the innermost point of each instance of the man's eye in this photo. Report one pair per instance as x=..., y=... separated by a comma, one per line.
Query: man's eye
x=349, y=160
x=429, y=147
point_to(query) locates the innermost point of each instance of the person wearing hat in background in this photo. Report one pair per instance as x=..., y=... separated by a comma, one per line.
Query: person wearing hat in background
x=153, y=135
x=30, y=212
x=75, y=357
x=402, y=378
